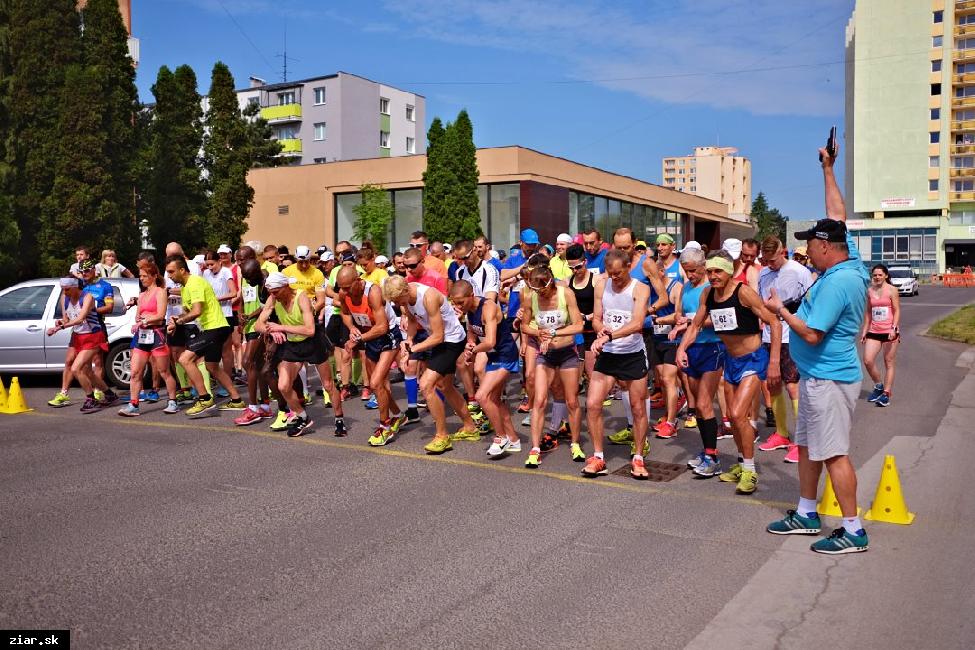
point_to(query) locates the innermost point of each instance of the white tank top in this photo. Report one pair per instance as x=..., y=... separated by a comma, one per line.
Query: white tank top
x=617, y=313
x=453, y=330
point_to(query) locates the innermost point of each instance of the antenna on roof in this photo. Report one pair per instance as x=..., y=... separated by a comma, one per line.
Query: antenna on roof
x=284, y=56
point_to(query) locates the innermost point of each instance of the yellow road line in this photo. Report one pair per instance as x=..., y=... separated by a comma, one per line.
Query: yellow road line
x=642, y=488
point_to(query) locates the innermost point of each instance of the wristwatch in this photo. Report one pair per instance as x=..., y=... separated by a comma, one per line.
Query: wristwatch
x=551, y=332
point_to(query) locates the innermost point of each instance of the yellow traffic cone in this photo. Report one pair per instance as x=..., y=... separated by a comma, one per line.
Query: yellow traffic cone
x=888, y=504
x=15, y=401
x=3, y=396
x=828, y=505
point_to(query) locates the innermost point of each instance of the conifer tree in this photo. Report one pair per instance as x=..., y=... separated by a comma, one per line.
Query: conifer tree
x=463, y=204
x=9, y=232
x=435, y=184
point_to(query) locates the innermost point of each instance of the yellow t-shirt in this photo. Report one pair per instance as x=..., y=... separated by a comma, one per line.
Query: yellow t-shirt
x=560, y=268
x=197, y=290
x=307, y=281
x=269, y=266
x=376, y=277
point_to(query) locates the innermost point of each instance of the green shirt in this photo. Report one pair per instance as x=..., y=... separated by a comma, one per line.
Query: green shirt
x=560, y=268
x=252, y=302
x=197, y=290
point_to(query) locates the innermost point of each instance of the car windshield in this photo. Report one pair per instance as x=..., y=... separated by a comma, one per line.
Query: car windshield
x=901, y=273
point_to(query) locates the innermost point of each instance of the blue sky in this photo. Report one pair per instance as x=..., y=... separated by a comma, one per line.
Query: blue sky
x=616, y=85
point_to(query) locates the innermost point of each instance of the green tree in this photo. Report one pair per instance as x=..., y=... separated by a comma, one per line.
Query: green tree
x=450, y=200
x=769, y=221
x=44, y=41
x=435, y=183
x=9, y=232
x=175, y=199
x=373, y=217
x=264, y=149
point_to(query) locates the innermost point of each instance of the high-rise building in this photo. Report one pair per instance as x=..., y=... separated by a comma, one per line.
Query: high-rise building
x=339, y=117
x=715, y=173
x=910, y=132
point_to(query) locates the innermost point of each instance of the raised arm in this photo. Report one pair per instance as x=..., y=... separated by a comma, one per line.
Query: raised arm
x=835, y=207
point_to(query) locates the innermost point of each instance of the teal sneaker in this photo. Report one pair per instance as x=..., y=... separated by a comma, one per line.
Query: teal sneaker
x=842, y=542
x=795, y=524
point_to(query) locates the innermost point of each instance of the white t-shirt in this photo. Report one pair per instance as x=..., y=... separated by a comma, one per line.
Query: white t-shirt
x=791, y=281
x=220, y=281
x=484, y=279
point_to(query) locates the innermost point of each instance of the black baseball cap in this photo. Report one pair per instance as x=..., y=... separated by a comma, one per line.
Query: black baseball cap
x=829, y=230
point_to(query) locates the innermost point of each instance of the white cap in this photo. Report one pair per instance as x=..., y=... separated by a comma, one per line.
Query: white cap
x=255, y=245
x=328, y=256
x=494, y=254
x=733, y=247
x=447, y=247
x=277, y=280
x=223, y=248
x=199, y=259
x=302, y=252
x=382, y=259
x=692, y=244
x=564, y=238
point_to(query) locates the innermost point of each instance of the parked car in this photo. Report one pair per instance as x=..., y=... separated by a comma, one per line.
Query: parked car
x=28, y=309
x=905, y=279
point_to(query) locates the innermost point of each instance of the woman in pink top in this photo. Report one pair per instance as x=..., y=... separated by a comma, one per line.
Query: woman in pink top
x=881, y=331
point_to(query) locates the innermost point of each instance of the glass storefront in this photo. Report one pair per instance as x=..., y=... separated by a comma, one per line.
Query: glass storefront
x=916, y=247
x=587, y=211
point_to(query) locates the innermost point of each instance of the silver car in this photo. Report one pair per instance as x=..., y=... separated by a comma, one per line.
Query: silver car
x=28, y=309
x=904, y=278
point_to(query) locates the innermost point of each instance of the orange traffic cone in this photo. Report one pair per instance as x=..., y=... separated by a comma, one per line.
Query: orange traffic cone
x=15, y=400
x=828, y=505
x=888, y=504
x=3, y=396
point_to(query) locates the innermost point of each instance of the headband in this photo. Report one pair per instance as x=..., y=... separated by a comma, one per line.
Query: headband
x=721, y=264
x=278, y=280
x=68, y=283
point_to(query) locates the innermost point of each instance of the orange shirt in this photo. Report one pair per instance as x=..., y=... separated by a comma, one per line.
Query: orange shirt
x=435, y=264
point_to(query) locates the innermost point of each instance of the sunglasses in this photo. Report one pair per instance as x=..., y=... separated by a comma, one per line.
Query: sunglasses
x=412, y=266
x=576, y=267
x=461, y=257
x=541, y=288
x=421, y=245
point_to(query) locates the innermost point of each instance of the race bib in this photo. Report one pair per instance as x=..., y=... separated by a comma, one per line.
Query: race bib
x=361, y=320
x=146, y=337
x=724, y=320
x=479, y=331
x=548, y=319
x=660, y=330
x=175, y=301
x=880, y=313
x=250, y=294
x=616, y=318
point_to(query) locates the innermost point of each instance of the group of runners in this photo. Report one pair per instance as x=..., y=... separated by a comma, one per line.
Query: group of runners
x=654, y=326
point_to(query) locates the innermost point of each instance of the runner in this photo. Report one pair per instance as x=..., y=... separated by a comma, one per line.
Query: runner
x=149, y=339
x=618, y=313
x=552, y=318
x=372, y=326
x=204, y=341
x=881, y=331
x=254, y=295
x=559, y=262
x=592, y=240
x=296, y=345
x=489, y=332
x=420, y=241
x=667, y=259
x=225, y=287
x=735, y=311
x=583, y=283
x=430, y=310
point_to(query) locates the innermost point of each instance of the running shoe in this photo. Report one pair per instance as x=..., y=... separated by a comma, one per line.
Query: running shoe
x=326, y=400
x=793, y=454
x=184, y=397
x=309, y=399
x=646, y=447
x=109, y=398
x=240, y=379
x=172, y=406
x=372, y=404
x=681, y=403
x=365, y=394
x=732, y=475
x=665, y=430
x=99, y=395
x=883, y=400
x=249, y=417
x=594, y=467
x=469, y=436
x=345, y=392
x=878, y=390
x=221, y=392
x=656, y=395
x=421, y=402
x=523, y=407
x=281, y=421
x=795, y=524
x=340, y=429
x=130, y=410
x=575, y=450
x=149, y=396
x=564, y=432
x=526, y=421
x=690, y=422
x=299, y=426
x=233, y=405
x=747, y=482
x=90, y=405
x=502, y=445
x=841, y=542
x=534, y=459
x=769, y=418
x=438, y=445
x=708, y=467
x=638, y=470
x=775, y=441
x=397, y=422
x=725, y=431
x=658, y=403
x=381, y=436
x=616, y=394
x=622, y=437
x=200, y=407
x=60, y=400
x=697, y=460
x=607, y=402
x=549, y=442
x=412, y=415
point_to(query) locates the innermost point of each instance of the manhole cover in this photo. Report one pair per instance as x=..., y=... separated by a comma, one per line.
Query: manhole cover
x=659, y=472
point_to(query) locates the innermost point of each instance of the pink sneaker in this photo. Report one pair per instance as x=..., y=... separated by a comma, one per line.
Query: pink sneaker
x=250, y=416
x=793, y=455
x=774, y=442
x=665, y=430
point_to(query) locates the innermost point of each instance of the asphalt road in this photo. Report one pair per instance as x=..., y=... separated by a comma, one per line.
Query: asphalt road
x=167, y=532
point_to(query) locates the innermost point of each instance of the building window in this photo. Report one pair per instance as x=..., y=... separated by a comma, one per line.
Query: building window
x=253, y=101
x=384, y=106
x=935, y=41
x=384, y=139
x=935, y=137
x=963, y=162
x=410, y=113
x=320, y=130
x=286, y=98
x=693, y=188
x=320, y=160
x=410, y=145
x=320, y=95
x=935, y=89
x=939, y=16
x=936, y=65
x=680, y=163
x=933, y=185
x=934, y=161
x=935, y=113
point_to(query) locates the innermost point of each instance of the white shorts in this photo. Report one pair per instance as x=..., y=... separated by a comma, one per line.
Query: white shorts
x=826, y=417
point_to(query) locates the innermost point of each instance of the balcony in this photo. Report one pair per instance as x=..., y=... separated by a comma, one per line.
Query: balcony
x=962, y=171
x=282, y=113
x=962, y=196
x=963, y=102
x=961, y=56
x=964, y=78
x=964, y=7
x=962, y=148
x=290, y=146
x=963, y=125
x=964, y=30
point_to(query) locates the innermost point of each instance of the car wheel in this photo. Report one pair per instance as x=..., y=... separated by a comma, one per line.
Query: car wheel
x=118, y=365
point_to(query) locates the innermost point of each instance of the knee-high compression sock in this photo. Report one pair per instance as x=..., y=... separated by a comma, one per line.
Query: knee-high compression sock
x=709, y=434
x=356, y=378
x=181, y=377
x=781, y=412
x=206, y=375
x=795, y=407
x=412, y=390
x=627, y=409
x=303, y=373
x=559, y=412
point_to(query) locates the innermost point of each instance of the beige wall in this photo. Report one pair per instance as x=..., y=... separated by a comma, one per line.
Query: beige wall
x=717, y=174
x=308, y=191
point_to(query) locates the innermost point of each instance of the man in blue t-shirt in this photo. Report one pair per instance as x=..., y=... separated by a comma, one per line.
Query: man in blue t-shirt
x=825, y=328
x=592, y=241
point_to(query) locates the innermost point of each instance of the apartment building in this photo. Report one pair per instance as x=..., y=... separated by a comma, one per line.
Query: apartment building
x=339, y=116
x=910, y=132
x=715, y=173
